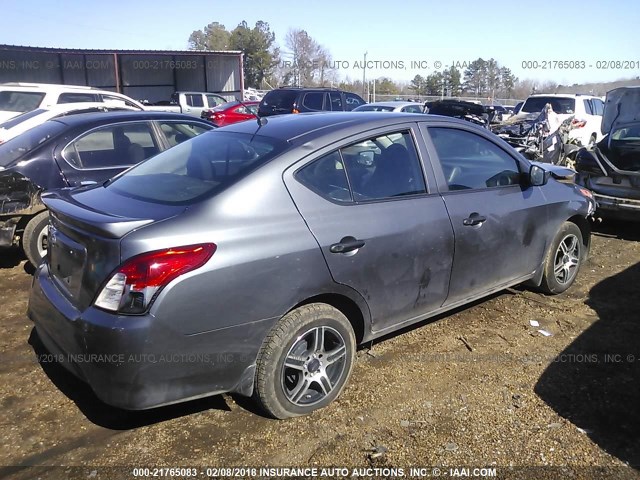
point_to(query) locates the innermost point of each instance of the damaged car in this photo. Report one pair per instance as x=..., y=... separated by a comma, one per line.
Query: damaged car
x=611, y=168
x=72, y=151
x=470, y=111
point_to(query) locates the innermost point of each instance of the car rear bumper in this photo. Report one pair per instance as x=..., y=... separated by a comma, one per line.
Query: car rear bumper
x=136, y=362
x=617, y=207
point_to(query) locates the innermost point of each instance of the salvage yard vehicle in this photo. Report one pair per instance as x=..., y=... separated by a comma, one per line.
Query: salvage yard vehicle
x=285, y=100
x=189, y=103
x=23, y=122
x=470, y=111
x=611, y=168
x=17, y=98
x=395, y=106
x=72, y=151
x=586, y=111
x=231, y=112
x=260, y=254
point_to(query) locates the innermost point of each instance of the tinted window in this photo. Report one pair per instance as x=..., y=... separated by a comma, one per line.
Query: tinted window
x=384, y=167
x=327, y=177
x=559, y=104
x=178, y=132
x=112, y=146
x=336, y=101
x=197, y=169
x=279, y=101
x=19, y=146
x=587, y=107
x=20, y=101
x=471, y=161
x=313, y=100
x=352, y=101
x=598, y=106
x=70, y=97
x=194, y=100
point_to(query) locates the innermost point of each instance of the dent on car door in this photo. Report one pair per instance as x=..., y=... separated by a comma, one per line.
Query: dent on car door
x=379, y=230
x=499, y=221
x=103, y=152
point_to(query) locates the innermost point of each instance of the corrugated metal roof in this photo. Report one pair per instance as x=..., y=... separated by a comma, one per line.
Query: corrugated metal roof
x=26, y=48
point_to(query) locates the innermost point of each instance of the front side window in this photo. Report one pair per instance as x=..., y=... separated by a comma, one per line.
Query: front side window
x=215, y=100
x=587, y=107
x=382, y=167
x=194, y=100
x=470, y=161
x=336, y=101
x=112, y=146
x=352, y=101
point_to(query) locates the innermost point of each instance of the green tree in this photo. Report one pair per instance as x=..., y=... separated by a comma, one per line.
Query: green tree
x=508, y=81
x=213, y=37
x=454, y=81
x=385, y=86
x=260, y=53
x=418, y=85
x=434, y=83
x=475, y=77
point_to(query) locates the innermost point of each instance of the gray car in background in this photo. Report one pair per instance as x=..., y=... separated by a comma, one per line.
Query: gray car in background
x=256, y=257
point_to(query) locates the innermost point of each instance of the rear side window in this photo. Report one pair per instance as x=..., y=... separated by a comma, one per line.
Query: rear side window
x=178, y=132
x=112, y=146
x=336, y=101
x=71, y=97
x=279, y=101
x=598, y=106
x=194, y=170
x=20, y=101
x=412, y=109
x=378, y=168
x=313, y=100
x=352, y=101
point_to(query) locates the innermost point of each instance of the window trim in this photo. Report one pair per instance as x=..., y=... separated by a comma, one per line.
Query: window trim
x=361, y=137
x=88, y=132
x=443, y=185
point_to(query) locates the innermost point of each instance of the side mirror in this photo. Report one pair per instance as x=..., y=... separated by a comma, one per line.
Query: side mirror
x=538, y=176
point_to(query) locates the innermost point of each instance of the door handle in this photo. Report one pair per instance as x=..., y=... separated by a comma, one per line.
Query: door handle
x=347, y=244
x=474, y=219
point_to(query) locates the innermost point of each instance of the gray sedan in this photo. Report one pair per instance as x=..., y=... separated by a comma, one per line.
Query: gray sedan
x=256, y=257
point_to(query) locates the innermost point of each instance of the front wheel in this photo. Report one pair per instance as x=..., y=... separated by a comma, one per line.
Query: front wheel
x=305, y=361
x=36, y=237
x=563, y=260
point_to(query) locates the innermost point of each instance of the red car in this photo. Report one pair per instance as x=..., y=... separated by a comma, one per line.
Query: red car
x=231, y=112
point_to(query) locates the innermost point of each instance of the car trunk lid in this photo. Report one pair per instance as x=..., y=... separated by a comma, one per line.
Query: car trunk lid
x=86, y=227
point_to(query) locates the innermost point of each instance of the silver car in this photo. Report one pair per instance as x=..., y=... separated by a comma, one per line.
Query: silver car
x=256, y=257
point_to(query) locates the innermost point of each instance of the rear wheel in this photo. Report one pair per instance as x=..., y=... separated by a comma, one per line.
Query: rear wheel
x=35, y=238
x=563, y=260
x=305, y=361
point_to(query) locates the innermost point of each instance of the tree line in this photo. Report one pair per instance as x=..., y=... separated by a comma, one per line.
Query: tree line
x=305, y=62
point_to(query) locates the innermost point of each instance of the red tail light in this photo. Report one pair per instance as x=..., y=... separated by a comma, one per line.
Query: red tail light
x=133, y=286
x=575, y=123
x=295, y=110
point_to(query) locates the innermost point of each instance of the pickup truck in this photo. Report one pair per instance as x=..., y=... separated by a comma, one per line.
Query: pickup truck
x=190, y=103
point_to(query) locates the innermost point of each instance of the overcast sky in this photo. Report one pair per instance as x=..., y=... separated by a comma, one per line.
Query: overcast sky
x=394, y=34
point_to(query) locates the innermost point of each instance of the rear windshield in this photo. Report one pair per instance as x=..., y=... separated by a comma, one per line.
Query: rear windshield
x=559, y=104
x=12, y=101
x=19, y=146
x=198, y=168
x=373, y=108
x=17, y=120
x=279, y=101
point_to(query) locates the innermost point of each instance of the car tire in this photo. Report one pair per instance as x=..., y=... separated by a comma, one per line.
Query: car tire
x=34, y=238
x=305, y=361
x=563, y=259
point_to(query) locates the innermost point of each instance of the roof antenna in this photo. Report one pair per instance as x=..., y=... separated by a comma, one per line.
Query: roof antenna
x=261, y=120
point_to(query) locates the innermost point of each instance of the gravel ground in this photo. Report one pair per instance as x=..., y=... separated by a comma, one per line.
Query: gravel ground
x=478, y=388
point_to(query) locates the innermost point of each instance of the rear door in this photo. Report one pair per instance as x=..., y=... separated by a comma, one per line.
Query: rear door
x=382, y=229
x=499, y=224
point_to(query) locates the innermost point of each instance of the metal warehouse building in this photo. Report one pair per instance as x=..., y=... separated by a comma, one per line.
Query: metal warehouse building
x=151, y=75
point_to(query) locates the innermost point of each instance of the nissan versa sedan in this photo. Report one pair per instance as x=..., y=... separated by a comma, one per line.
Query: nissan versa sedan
x=255, y=258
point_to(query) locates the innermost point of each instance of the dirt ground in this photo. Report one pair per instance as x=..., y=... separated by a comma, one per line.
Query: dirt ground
x=478, y=388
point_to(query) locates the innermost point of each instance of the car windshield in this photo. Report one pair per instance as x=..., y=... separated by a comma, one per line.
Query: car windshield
x=562, y=105
x=373, y=108
x=197, y=169
x=12, y=101
x=19, y=146
x=21, y=118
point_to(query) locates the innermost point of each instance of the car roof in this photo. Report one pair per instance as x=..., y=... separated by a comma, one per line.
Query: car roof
x=117, y=116
x=304, y=127
x=562, y=95
x=394, y=103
